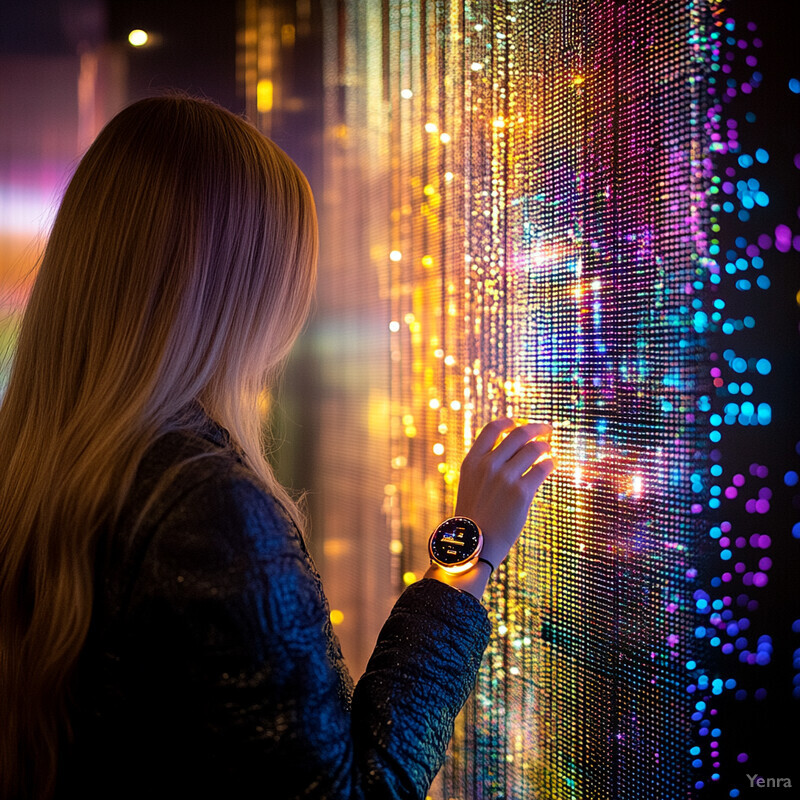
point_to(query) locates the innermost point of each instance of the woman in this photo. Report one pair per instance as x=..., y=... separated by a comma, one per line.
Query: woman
x=163, y=630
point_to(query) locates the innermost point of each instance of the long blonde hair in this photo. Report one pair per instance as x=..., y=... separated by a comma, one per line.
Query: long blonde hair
x=179, y=271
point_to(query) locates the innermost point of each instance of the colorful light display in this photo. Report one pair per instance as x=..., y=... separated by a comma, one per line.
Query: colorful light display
x=562, y=210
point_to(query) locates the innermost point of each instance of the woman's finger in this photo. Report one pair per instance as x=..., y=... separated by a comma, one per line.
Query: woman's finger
x=525, y=457
x=535, y=476
x=519, y=437
x=488, y=437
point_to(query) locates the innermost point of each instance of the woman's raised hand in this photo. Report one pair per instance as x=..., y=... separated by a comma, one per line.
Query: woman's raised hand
x=499, y=478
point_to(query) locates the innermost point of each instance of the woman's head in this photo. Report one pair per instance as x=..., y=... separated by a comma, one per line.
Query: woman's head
x=179, y=271
x=184, y=257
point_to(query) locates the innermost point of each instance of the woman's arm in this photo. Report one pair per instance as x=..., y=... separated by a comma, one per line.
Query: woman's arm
x=230, y=657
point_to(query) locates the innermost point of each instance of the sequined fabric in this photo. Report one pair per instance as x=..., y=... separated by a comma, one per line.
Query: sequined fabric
x=212, y=669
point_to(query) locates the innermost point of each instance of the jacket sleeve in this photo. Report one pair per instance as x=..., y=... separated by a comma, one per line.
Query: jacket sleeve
x=229, y=630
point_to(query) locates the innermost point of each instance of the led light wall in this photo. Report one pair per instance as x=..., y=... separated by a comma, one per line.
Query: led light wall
x=569, y=211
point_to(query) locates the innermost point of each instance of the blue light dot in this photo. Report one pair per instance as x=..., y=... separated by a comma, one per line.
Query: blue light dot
x=734, y=793
x=763, y=282
x=740, y=365
x=757, y=262
x=716, y=470
x=794, y=85
x=715, y=436
x=697, y=763
x=694, y=751
x=762, y=156
x=747, y=388
x=744, y=215
x=763, y=366
x=725, y=555
x=791, y=478
x=749, y=322
x=750, y=116
x=745, y=160
x=796, y=530
x=714, y=642
x=713, y=503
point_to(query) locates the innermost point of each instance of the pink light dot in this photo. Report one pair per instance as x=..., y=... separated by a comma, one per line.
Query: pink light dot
x=760, y=579
x=797, y=160
x=724, y=541
x=725, y=526
x=765, y=563
x=762, y=506
x=727, y=577
x=715, y=372
x=738, y=479
x=747, y=88
x=731, y=492
x=750, y=506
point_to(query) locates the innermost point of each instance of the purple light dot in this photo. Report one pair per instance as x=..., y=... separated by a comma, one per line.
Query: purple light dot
x=760, y=579
x=741, y=600
x=726, y=577
x=746, y=88
x=741, y=541
x=796, y=242
x=727, y=648
x=783, y=238
x=716, y=455
x=760, y=694
x=747, y=579
x=741, y=44
x=753, y=468
x=764, y=541
x=764, y=239
x=750, y=506
x=744, y=624
x=725, y=527
x=752, y=250
x=765, y=563
x=762, y=506
x=751, y=61
x=752, y=605
x=742, y=758
x=731, y=492
x=724, y=541
x=739, y=568
x=738, y=479
x=765, y=492
x=757, y=43
x=762, y=472
x=696, y=508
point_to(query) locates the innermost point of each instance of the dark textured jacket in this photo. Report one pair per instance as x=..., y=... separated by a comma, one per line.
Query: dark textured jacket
x=211, y=668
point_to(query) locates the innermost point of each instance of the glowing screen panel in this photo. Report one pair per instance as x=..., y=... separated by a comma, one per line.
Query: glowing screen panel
x=583, y=213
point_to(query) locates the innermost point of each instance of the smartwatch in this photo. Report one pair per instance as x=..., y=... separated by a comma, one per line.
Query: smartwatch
x=456, y=545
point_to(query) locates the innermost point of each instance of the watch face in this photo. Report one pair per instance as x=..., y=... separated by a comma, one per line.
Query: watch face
x=455, y=541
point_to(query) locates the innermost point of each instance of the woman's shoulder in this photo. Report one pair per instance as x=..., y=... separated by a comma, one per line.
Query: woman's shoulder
x=202, y=479
x=196, y=515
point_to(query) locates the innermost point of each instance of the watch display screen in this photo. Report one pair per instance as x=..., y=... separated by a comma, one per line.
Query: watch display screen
x=455, y=540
